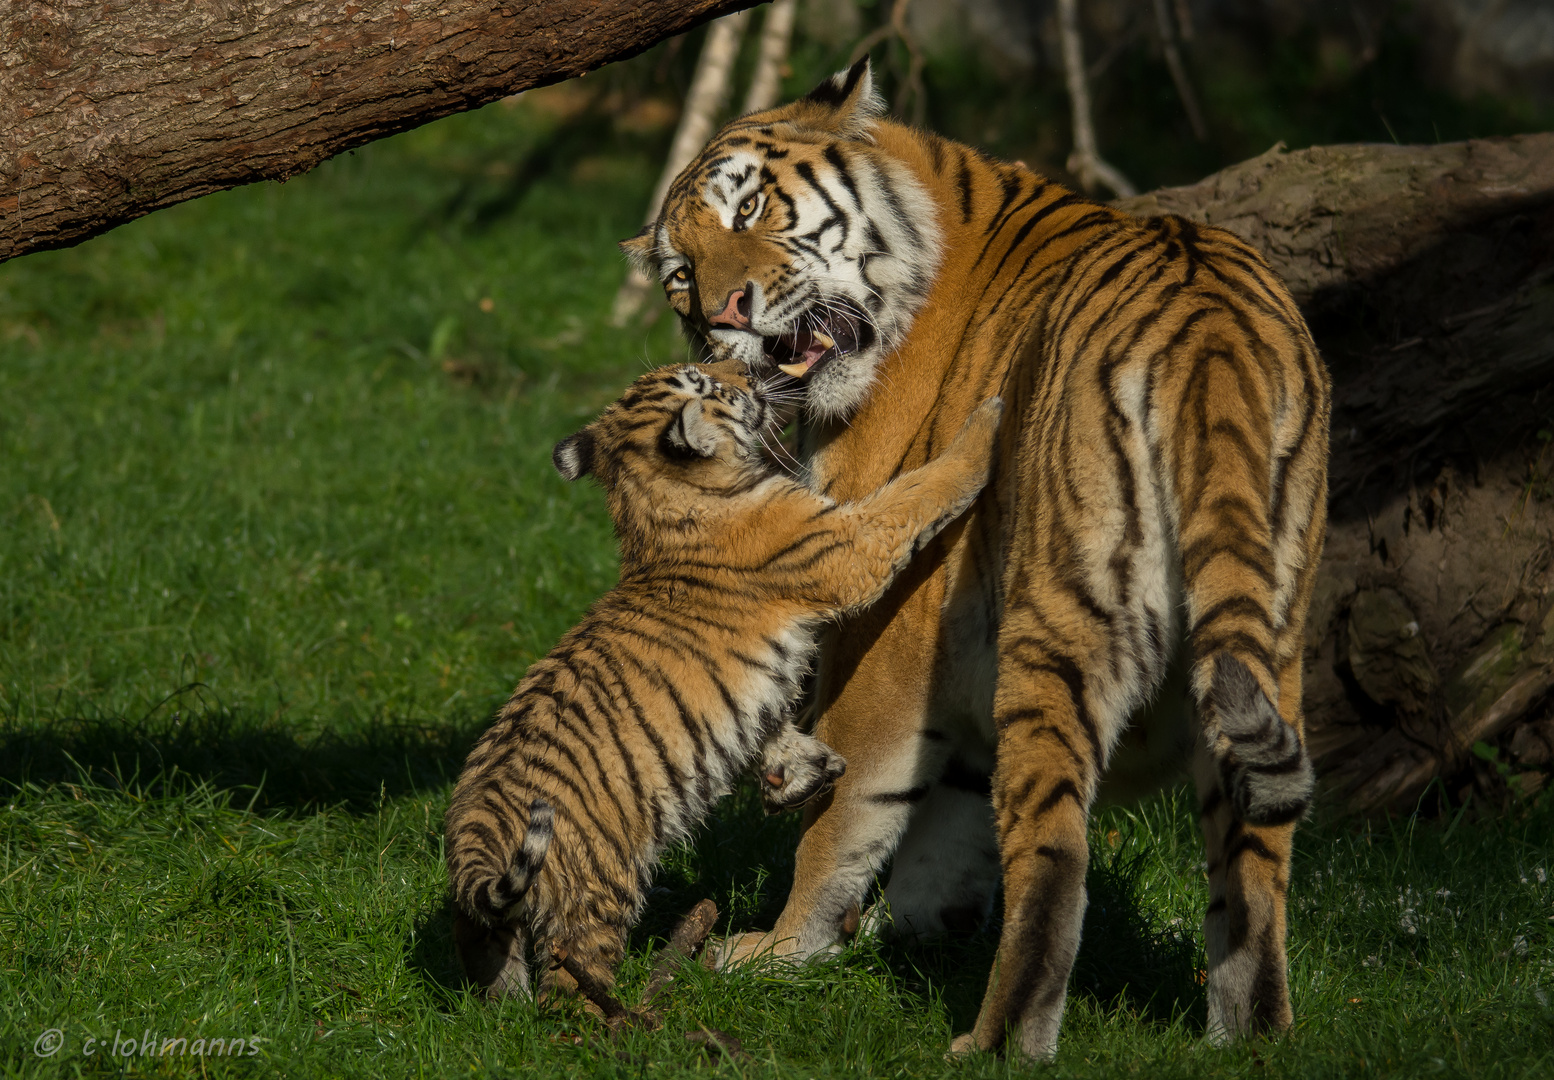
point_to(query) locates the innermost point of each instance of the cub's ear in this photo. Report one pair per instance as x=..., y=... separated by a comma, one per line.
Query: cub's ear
x=692, y=434
x=574, y=455
x=640, y=250
x=845, y=103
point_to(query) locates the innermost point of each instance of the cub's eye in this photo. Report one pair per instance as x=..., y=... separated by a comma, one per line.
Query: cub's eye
x=681, y=276
x=747, y=207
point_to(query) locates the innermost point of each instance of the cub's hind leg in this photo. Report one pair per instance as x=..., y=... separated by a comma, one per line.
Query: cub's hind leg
x=495, y=958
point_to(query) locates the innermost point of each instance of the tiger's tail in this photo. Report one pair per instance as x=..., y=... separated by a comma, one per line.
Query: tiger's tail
x=1264, y=769
x=485, y=884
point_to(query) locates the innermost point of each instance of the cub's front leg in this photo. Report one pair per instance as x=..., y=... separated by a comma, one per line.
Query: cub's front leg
x=901, y=518
x=796, y=767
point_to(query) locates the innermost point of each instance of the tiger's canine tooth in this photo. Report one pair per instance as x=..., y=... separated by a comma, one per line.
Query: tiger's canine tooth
x=796, y=370
x=824, y=338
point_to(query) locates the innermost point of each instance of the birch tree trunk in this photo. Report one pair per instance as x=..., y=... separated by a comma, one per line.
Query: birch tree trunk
x=776, y=34
x=706, y=98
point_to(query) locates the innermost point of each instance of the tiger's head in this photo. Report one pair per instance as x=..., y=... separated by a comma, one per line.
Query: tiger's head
x=679, y=439
x=793, y=241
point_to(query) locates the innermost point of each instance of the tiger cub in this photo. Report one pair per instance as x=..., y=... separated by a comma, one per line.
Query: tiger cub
x=618, y=742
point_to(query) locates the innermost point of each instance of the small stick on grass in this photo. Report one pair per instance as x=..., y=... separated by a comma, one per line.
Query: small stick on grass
x=684, y=944
x=720, y=1040
x=615, y=1013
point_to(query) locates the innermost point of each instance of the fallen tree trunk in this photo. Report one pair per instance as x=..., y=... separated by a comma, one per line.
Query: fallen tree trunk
x=113, y=108
x=1427, y=274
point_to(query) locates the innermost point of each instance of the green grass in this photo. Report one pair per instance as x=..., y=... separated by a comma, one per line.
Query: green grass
x=278, y=529
x=173, y=906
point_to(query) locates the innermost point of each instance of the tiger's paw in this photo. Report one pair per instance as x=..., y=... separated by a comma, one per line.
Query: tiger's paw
x=795, y=768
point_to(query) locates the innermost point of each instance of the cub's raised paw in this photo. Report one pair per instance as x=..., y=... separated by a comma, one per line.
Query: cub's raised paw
x=795, y=768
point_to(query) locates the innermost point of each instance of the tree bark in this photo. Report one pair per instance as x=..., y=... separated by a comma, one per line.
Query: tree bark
x=113, y=108
x=1427, y=276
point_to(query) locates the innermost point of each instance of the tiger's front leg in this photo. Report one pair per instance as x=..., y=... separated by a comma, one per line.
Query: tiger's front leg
x=880, y=668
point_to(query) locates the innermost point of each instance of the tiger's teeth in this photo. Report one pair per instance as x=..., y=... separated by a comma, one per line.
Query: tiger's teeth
x=825, y=339
x=796, y=370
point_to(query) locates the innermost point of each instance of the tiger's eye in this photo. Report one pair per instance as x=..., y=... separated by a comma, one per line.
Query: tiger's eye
x=681, y=276
x=747, y=207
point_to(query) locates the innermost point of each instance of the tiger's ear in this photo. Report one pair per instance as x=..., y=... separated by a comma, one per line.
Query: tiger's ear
x=641, y=250
x=846, y=102
x=574, y=455
x=692, y=434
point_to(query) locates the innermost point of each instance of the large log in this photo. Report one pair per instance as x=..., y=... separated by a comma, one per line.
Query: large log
x=1427, y=274
x=113, y=108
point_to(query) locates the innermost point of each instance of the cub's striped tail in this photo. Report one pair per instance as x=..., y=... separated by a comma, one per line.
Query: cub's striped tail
x=485, y=884
x=1264, y=771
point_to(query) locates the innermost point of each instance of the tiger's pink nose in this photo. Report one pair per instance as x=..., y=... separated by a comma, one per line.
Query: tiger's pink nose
x=736, y=313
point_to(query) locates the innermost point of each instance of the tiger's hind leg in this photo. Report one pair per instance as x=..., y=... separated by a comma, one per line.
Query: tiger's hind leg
x=1251, y=542
x=1244, y=927
x=1057, y=709
x=1249, y=863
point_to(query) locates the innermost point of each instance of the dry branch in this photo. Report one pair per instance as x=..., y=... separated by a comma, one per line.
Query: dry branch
x=720, y=1041
x=1173, y=58
x=1085, y=162
x=615, y=1013
x=113, y=108
x=683, y=945
x=912, y=89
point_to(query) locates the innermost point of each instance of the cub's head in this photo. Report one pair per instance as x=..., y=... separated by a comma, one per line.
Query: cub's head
x=794, y=241
x=679, y=436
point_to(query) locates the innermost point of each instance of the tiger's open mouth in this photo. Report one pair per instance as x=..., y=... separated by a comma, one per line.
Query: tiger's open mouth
x=820, y=338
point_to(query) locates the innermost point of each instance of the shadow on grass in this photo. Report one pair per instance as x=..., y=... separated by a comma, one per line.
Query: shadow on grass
x=1127, y=959
x=431, y=957
x=739, y=858
x=353, y=768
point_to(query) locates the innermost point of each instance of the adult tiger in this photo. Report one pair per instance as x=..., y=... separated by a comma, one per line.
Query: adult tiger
x=1150, y=534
